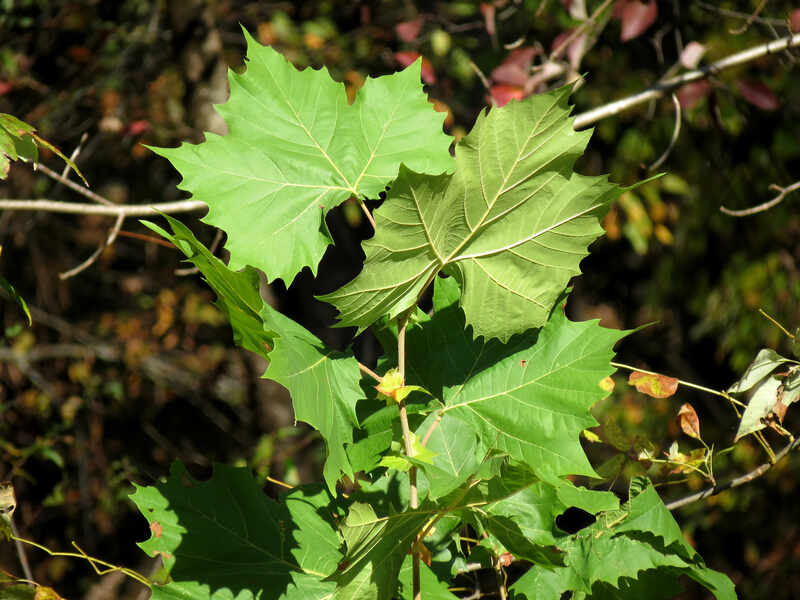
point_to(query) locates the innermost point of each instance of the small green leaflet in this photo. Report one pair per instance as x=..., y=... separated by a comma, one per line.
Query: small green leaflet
x=511, y=224
x=18, y=141
x=324, y=384
x=296, y=149
x=224, y=538
x=12, y=292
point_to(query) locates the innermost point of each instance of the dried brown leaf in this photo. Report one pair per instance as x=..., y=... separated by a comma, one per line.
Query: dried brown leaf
x=690, y=423
x=653, y=384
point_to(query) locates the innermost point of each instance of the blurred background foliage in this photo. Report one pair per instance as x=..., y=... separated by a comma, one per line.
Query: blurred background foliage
x=128, y=366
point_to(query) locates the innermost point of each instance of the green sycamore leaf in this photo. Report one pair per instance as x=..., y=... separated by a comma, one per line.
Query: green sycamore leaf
x=534, y=403
x=324, y=384
x=620, y=547
x=511, y=224
x=224, y=538
x=16, y=142
x=376, y=549
x=454, y=447
x=296, y=149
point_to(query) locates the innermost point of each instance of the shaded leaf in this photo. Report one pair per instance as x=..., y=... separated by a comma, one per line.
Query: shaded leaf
x=210, y=550
x=296, y=149
x=758, y=94
x=653, y=384
x=512, y=224
x=691, y=93
x=376, y=549
x=324, y=384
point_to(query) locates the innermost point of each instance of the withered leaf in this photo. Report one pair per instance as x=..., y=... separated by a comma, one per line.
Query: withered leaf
x=690, y=423
x=653, y=384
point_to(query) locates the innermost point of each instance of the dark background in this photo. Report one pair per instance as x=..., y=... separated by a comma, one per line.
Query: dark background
x=128, y=366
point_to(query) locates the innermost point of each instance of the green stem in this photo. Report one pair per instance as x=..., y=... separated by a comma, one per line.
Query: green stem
x=413, y=498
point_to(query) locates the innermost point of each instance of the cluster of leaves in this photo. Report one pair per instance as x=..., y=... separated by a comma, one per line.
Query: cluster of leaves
x=508, y=379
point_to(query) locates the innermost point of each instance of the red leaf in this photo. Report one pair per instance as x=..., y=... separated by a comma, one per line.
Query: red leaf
x=5, y=87
x=488, y=11
x=619, y=7
x=637, y=18
x=409, y=30
x=515, y=69
x=758, y=94
x=405, y=58
x=137, y=127
x=690, y=423
x=503, y=94
x=794, y=20
x=653, y=384
x=691, y=93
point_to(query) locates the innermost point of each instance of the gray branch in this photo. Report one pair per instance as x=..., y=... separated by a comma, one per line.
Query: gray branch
x=662, y=88
x=127, y=210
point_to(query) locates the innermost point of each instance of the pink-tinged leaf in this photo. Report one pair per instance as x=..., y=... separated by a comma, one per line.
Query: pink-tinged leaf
x=691, y=93
x=409, y=30
x=689, y=421
x=653, y=384
x=619, y=7
x=758, y=94
x=691, y=55
x=137, y=127
x=407, y=57
x=794, y=20
x=488, y=12
x=503, y=94
x=515, y=69
x=637, y=17
x=5, y=87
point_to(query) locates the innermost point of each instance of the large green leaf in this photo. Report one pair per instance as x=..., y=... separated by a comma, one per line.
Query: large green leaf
x=512, y=223
x=534, y=403
x=376, y=548
x=224, y=538
x=641, y=540
x=295, y=149
x=324, y=384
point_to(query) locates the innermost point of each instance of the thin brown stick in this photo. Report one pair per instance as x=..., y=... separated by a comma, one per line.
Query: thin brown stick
x=368, y=214
x=740, y=15
x=129, y=210
x=662, y=88
x=367, y=371
x=23, y=557
x=746, y=25
x=112, y=235
x=74, y=186
x=562, y=47
x=737, y=481
x=783, y=192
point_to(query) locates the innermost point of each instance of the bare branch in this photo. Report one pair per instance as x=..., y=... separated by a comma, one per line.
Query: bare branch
x=112, y=235
x=74, y=186
x=129, y=210
x=667, y=86
x=783, y=192
x=675, y=133
x=736, y=482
